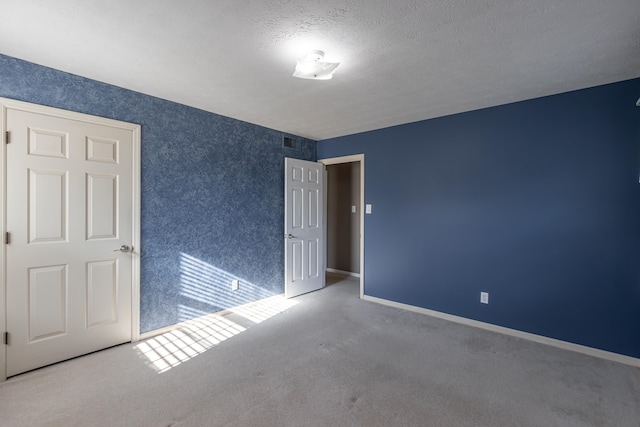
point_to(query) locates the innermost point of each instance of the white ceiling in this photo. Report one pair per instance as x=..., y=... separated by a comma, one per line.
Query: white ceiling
x=401, y=61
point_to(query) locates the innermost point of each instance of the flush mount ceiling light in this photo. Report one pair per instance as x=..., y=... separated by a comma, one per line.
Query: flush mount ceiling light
x=312, y=67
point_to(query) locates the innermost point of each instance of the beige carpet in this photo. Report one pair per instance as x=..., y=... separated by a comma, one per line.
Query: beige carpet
x=329, y=360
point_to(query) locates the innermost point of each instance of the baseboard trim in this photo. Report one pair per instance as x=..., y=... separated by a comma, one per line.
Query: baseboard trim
x=342, y=272
x=590, y=351
x=160, y=331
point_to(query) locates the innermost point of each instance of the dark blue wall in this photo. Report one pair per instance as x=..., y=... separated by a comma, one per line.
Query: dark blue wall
x=537, y=203
x=212, y=193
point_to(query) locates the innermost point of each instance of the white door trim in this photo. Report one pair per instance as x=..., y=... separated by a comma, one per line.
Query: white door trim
x=349, y=159
x=6, y=104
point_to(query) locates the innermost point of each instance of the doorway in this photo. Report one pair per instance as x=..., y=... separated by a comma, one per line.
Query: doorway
x=345, y=216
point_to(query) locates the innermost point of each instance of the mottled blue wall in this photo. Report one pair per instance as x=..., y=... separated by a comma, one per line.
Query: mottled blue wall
x=537, y=203
x=212, y=193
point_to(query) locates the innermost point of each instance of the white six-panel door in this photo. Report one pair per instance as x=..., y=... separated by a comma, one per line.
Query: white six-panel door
x=304, y=227
x=70, y=204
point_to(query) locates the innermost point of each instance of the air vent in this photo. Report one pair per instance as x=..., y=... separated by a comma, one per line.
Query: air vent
x=289, y=142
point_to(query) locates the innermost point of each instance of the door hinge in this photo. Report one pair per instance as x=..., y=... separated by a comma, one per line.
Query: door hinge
x=7, y=238
x=7, y=139
x=5, y=338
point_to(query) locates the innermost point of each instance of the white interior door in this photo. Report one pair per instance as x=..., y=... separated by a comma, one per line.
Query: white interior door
x=70, y=207
x=303, y=227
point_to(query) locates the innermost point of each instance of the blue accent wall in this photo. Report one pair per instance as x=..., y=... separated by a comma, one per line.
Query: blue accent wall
x=212, y=193
x=536, y=202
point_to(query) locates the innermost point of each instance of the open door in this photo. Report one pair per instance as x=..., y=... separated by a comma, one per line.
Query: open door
x=304, y=235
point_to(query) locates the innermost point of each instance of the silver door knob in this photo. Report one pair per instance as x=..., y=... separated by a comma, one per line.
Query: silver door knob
x=289, y=236
x=123, y=249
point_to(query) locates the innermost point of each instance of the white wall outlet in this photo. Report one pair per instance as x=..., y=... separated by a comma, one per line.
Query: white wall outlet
x=235, y=285
x=368, y=209
x=484, y=297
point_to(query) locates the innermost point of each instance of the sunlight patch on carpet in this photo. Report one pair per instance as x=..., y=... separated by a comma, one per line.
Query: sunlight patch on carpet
x=264, y=310
x=194, y=337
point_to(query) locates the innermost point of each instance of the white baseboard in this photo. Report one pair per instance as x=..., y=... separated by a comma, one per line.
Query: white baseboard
x=342, y=272
x=602, y=354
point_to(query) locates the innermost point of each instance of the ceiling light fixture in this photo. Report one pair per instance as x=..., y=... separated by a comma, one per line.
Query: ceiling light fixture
x=312, y=67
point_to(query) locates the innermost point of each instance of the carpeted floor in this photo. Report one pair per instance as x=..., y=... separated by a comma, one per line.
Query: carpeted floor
x=329, y=360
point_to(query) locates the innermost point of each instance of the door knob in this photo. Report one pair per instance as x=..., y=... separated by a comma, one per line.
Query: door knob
x=289, y=236
x=123, y=249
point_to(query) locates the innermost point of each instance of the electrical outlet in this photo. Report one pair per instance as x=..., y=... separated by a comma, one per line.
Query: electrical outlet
x=235, y=285
x=484, y=297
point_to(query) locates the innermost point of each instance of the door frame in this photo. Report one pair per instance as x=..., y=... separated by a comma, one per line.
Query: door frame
x=339, y=160
x=7, y=104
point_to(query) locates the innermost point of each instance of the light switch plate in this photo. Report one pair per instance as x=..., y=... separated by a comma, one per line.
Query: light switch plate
x=353, y=209
x=484, y=297
x=368, y=209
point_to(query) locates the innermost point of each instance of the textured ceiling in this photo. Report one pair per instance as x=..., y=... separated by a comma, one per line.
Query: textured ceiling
x=401, y=61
